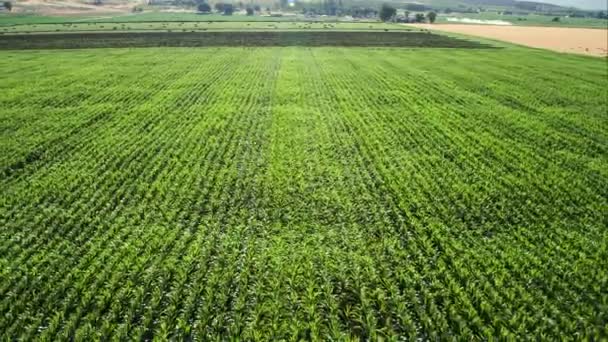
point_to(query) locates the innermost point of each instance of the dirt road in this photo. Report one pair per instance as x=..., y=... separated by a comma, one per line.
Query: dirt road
x=574, y=40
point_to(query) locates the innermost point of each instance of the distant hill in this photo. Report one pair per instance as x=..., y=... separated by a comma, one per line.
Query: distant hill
x=582, y=4
x=546, y=4
x=60, y=7
x=526, y=5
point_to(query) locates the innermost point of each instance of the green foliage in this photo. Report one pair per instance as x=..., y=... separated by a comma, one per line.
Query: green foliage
x=387, y=12
x=219, y=6
x=431, y=16
x=296, y=193
x=204, y=7
x=228, y=9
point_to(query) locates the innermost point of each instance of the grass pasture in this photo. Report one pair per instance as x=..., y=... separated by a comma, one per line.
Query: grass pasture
x=529, y=20
x=183, y=26
x=161, y=17
x=278, y=185
x=186, y=17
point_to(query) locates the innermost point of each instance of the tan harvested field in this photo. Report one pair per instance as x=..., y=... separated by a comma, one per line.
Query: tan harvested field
x=563, y=39
x=71, y=7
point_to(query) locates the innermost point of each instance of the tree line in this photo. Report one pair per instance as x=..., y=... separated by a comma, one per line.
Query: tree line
x=227, y=8
x=389, y=13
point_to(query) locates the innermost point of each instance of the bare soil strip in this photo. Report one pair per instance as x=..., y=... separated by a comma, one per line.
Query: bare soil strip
x=562, y=39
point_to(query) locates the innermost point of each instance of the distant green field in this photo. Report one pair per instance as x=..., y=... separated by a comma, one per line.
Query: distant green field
x=11, y=19
x=529, y=20
x=169, y=16
x=147, y=18
x=297, y=193
x=200, y=26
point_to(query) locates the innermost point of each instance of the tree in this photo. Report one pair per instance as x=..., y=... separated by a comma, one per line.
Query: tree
x=8, y=5
x=431, y=16
x=419, y=18
x=249, y=11
x=387, y=12
x=219, y=6
x=257, y=8
x=204, y=7
x=555, y=19
x=228, y=9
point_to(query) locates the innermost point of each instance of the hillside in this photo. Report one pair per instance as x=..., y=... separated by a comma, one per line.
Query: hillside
x=59, y=7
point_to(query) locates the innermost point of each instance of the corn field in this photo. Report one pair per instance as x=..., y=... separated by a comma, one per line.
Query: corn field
x=303, y=194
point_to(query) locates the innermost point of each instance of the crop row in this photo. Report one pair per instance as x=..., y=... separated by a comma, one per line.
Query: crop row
x=293, y=193
x=231, y=37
